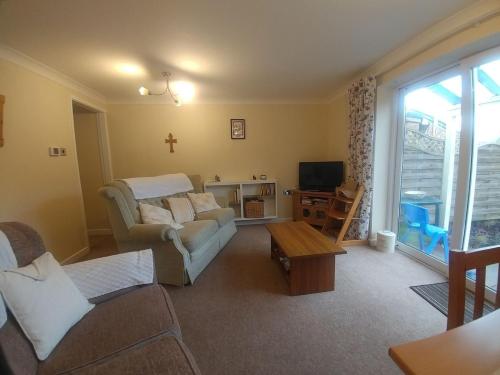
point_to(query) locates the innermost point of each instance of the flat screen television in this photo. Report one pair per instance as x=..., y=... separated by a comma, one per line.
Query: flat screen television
x=320, y=175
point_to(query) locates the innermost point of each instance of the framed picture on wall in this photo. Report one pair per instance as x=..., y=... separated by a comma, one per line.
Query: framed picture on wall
x=237, y=128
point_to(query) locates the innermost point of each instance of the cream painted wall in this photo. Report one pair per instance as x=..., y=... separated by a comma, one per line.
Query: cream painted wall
x=278, y=136
x=338, y=130
x=39, y=190
x=89, y=163
x=383, y=171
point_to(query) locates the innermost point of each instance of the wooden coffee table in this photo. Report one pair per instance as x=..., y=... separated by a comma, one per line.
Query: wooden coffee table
x=306, y=256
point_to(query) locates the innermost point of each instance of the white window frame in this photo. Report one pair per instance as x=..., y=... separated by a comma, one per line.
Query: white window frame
x=467, y=155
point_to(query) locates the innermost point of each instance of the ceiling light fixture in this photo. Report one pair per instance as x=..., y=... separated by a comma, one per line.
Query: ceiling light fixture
x=176, y=97
x=130, y=69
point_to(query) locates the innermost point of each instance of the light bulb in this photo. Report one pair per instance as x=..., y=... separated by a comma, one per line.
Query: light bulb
x=130, y=69
x=184, y=91
x=143, y=91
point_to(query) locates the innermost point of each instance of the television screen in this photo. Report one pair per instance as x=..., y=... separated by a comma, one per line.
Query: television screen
x=320, y=175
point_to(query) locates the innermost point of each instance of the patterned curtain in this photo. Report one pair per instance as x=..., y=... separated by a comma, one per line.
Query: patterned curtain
x=361, y=96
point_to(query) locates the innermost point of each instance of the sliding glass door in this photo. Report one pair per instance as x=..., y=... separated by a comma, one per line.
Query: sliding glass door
x=483, y=225
x=449, y=162
x=431, y=134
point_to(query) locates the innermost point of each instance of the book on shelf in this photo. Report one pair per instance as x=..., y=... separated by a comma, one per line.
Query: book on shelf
x=236, y=195
x=266, y=190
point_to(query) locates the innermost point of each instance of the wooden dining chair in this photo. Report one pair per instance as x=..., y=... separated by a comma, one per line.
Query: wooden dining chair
x=460, y=263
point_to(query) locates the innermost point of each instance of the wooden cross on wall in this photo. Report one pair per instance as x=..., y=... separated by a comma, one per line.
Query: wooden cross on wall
x=171, y=141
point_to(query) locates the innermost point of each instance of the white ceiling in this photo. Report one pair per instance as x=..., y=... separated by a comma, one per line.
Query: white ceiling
x=232, y=50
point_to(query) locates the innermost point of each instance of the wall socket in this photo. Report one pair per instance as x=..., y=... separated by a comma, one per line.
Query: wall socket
x=57, y=151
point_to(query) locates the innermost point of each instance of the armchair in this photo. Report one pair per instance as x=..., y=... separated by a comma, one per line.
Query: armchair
x=104, y=341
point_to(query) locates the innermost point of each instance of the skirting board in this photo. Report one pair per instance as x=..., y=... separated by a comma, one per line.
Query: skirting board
x=76, y=256
x=282, y=219
x=263, y=221
x=354, y=242
x=99, y=232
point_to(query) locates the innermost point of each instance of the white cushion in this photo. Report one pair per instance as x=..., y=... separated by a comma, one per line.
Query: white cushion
x=44, y=301
x=157, y=215
x=203, y=202
x=181, y=209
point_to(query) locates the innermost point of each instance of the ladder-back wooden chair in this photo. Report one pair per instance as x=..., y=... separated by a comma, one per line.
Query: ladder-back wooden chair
x=460, y=263
x=341, y=212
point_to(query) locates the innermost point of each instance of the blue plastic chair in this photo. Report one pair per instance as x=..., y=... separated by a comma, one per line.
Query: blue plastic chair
x=417, y=219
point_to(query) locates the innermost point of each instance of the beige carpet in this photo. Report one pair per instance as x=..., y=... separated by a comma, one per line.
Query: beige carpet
x=238, y=319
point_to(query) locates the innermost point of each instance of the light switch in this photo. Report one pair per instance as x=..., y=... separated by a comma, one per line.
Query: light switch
x=57, y=151
x=53, y=151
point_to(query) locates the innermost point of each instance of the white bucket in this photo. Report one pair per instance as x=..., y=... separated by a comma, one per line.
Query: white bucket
x=386, y=241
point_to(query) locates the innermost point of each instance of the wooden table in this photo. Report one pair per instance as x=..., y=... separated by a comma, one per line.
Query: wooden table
x=473, y=348
x=306, y=256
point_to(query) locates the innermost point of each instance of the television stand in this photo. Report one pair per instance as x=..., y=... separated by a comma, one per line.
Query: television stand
x=311, y=206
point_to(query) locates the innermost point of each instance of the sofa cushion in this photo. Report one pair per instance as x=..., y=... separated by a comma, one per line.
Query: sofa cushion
x=181, y=208
x=158, y=201
x=44, y=301
x=132, y=204
x=203, y=202
x=157, y=215
x=163, y=355
x=196, y=233
x=113, y=326
x=221, y=215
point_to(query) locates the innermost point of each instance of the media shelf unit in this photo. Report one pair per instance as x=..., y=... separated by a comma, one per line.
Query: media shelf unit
x=312, y=206
x=264, y=190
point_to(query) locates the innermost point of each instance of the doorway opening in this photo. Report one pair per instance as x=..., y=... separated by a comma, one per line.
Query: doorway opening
x=94, y=169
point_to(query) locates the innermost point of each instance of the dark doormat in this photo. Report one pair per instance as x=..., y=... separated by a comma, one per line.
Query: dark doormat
x=437, y=296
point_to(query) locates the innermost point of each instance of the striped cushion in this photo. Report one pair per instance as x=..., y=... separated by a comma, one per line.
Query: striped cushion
x=105, y=275
x=181, y=209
